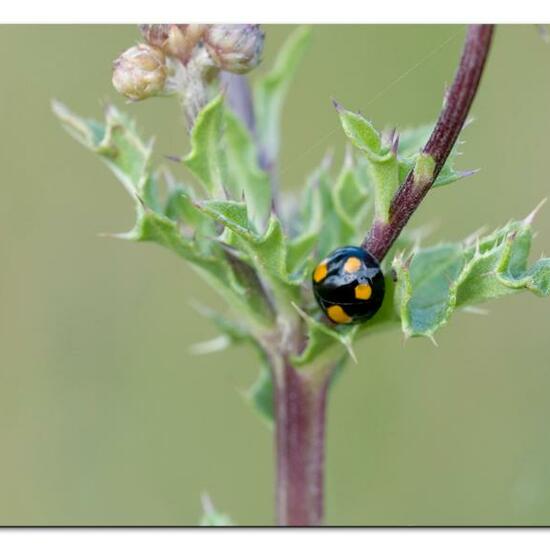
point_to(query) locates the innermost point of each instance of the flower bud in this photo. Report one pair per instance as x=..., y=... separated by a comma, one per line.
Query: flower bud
x=140, y=72
x=155, y=35
x=234, y=48
x=174, y=40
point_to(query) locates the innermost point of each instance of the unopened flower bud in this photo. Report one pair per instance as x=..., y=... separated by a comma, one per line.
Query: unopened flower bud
x=235, y=48
x=155, y=35
x=174, y=40
x=140, y=72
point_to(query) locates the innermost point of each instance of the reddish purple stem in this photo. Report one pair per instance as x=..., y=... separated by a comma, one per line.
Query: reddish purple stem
x=300, y=405
x=451, y=121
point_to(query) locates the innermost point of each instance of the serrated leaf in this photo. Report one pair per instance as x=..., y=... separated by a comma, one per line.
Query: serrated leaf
x=383, y=166
x=271, y=90
x=181, y=207
x=269, y=250
x=350, y=200
x=254, y=182
x=423, y=297
x=214, y=268
x=161, y=230
x=321, y=338
x=441, y=279
x=119, y=145
x=268, y=254
x=207, y=160
x=361, y=132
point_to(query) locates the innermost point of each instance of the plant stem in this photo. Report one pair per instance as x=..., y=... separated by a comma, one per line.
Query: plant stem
x=240, y=99
x=449, y=124
x=300, y=404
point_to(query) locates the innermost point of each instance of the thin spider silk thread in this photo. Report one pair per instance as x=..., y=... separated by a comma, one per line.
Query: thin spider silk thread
x=377, y=96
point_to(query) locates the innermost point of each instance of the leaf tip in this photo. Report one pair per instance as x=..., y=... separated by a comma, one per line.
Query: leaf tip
x=337, y=105
x=125, y=236
x=468, y=173
x=432, y=339
x=206, y=503
x=531, y=216
x=57, y=107
x=475, y=310
x=210, y=346
x=174, y=158
x=351, y=352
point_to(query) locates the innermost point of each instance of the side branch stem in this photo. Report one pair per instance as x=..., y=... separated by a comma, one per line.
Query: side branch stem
x=449, y=124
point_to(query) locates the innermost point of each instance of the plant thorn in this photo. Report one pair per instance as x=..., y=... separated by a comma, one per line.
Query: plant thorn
x=432, y=339
x=531, y=216
x=174, y=158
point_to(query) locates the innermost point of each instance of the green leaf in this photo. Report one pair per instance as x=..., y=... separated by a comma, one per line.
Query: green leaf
x=179, y=225
x=321, y=339
x=243, y=164
x=214, y=268
x=383, y=165
x=268, y=252
x=412, y=140
x=350, y=200
x=224, y=158
x=161, y=230
x=330, y=231
x=181, y=207
x=307, y=221
x=207, y=160
x=211, y=517
x=271, y=90
x=423, y=289
x=232, y=332
x=361, y=133
x=441, y=279
x=119, y=145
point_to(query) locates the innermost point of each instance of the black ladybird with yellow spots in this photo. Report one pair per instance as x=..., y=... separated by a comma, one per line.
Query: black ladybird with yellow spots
x=349, y=285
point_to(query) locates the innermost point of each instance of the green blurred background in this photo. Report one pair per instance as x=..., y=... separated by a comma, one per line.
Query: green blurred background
x=106, y=417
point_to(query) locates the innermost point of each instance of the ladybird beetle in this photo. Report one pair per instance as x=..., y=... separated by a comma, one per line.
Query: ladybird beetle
x=349, y=285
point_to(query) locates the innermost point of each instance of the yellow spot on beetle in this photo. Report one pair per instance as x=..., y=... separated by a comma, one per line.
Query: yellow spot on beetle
x=363, y=292
x=338, y=315
x=352, y=264
x=320, y=272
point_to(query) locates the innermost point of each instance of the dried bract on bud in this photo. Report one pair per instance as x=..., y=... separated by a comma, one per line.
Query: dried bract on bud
x=140, y=72
x=234, y=48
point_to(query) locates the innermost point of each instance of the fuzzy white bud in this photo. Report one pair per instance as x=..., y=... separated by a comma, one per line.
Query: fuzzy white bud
x=140, y=72
x=234, y=48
